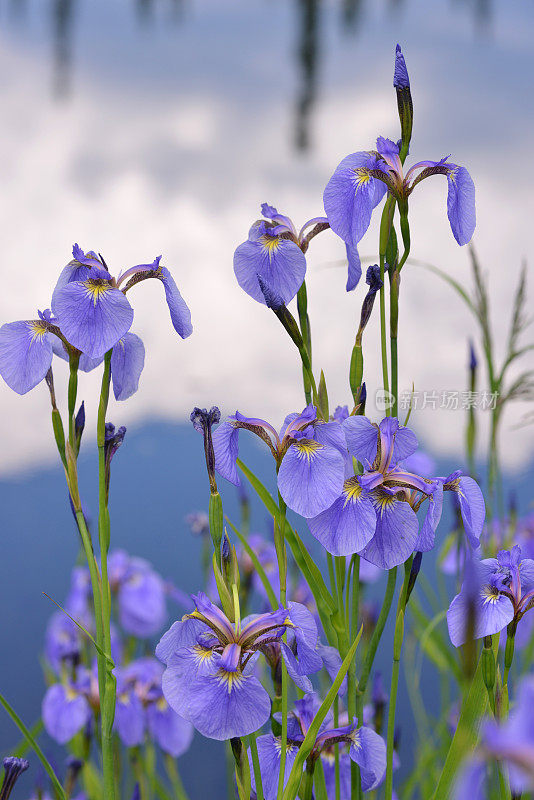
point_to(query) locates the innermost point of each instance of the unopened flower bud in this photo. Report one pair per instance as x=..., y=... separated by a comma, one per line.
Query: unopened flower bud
x=13, y=769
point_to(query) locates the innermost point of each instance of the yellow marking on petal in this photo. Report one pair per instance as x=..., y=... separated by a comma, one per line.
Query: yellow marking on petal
x=362, y=174
x=96, y=289
x=229, y=679
x=70, y=694
x=202, y=653
x=384, y=502
x=161, y=704
x=352, y=490
x=270, y=243
x=38, y=329
x=307, y=448
x=489, y=594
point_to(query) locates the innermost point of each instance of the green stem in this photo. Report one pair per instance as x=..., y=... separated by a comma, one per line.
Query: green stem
x=352, y=683
x=281, y=554
x=256, y=766
x=302, y=309
x=175, y=779
x=108, y=702
x=397, y=648
x=385, y=228
x=394, y=288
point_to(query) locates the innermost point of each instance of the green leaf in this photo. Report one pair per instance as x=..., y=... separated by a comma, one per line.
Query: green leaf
x=466, y=737
x=307, y=745
x=98, y=648
x=58, y=789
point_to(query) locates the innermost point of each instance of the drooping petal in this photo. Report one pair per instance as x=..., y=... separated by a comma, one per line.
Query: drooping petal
x=225, y=705
x=226, y=448
x=492, y=612
x=129, y=719
x=362, y=439
x=25, y=354
x=427, y=534
x=92, y=315
x=351, y=195
x=349, y=524
x=269, y=756
x=64, y=712
x=472, y=506
x=280, y=263
x=294, y=669
x=329, y=768
x=178, y=308
x=311, y=477
x=183, y=668
x=461, y=204
x=397, y=442
x=142, y=605
x=171, y=732
x=396, y=532
x=354, y=267
x=127, y=362
x=332, y=664
x=368, y=750
x=85, y=363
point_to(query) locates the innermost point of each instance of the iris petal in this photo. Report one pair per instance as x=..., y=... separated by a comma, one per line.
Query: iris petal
x=395, y=535
x=280, y=263
x=127, y=362
x=25, y=354
x=311, y=477
x=461, y=204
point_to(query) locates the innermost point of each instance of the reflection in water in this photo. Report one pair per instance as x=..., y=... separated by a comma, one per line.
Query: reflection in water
x=63, y=23
x=63, y=19
x=307, y=61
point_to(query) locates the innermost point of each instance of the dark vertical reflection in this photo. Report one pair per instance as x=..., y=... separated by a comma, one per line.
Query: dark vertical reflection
x=307, y=55
x=351, y=14
x=63, y=20
x=145, y=10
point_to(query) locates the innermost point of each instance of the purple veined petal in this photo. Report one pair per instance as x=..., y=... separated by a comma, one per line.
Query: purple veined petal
x=368, y=750
x=183, y=668
x=92, y=315
x=180, y=635
x=329, y=767
x=472, y=506
x=294, y=670
x=526, y=574
x=354, y=267
x=269, y=756
x=492, y=613
x=310, y=477
x=88, y=259
x=390, y=153
x=65, y=712
x=397, y=442
x=332, y=663
x=279, y=262
x=129, y=719
x=77, y=271
x=351, y=194
x=400, y=75
x=395, y=534
x=170, y=731
x=298, y=422
x=142, y=605
x=427, y=534
x=349, y=524
x=178, y=308
x=226, y=449
x=461, y=204
x=308, y=224
x=469, y=784
x=25, y=354
x=127, y=362
x=306, y=627
x=362, y=439
x=85, y=364
x=331, y=434
x=225, y=705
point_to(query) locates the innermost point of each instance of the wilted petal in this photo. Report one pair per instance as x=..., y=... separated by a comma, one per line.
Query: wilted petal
x=311, y=477
x=25, y=354
x=127, y=362
x=92, y=315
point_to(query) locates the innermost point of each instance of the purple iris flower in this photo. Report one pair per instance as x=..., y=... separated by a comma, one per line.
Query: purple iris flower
x=209, y=662
x=140, y=594
x=25, y=353
x=374, y=514
x=66, y=706
x=92, y=310
x=471, y=503
x=272, y=259
x=361, y=745
x=142, y=709
x=362, y=179
x=513, y=740
x=495, y=592
x=62, y=641
x=310, y=457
